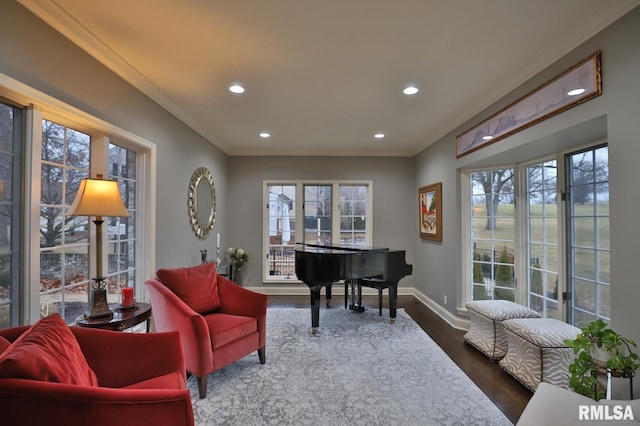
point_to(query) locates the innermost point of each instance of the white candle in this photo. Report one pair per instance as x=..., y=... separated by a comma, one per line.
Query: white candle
x=218, y=246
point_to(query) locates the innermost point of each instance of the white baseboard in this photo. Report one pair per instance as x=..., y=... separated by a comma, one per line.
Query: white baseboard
x=454, y=321
x=451, y=319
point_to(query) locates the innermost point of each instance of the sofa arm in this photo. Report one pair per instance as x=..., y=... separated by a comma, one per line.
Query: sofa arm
x=236, y=300
x=170, y=313
x=30, y=402
x=120, y=359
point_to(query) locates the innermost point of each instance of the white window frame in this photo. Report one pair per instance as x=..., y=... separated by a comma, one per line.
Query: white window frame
x=299, y=215
x=520, y=228
x=41, y=106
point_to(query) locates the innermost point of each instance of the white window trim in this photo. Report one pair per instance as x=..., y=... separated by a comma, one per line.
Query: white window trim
x=299, y=214
x=466, y=254
x=41, y=106
x=521, y=293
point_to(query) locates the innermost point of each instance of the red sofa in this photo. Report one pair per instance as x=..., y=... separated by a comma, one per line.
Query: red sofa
x=219, y=321
x=141, y=381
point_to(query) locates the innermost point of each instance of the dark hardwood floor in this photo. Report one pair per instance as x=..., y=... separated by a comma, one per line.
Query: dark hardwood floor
x=506, y=393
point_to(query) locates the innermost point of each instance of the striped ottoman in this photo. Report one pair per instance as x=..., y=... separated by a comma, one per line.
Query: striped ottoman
x=537, y=352
x=485, y=332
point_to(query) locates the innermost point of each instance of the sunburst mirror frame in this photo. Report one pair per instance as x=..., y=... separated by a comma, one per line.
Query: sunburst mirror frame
x=201, y=176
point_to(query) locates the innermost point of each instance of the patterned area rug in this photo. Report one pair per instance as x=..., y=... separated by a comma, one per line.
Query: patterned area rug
x=358, y=370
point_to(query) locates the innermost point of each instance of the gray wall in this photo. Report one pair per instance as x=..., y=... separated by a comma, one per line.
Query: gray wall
x=36, y=55
x=613, y=116
x=395, y=198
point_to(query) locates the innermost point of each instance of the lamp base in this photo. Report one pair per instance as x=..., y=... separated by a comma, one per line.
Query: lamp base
x=98, y=306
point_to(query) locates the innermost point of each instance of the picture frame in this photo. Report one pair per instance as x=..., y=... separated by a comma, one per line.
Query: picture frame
x=430, y=212
x=574, y=86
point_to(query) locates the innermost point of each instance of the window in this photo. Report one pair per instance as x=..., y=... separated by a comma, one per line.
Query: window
x=353, y=215
x=66, y=247
x=492, y=240
x=317, y=214
x=10, y=212
x=497, y=261
x=589, y=282
x=334, y=213
x=64, y=240
x=121, y=231
x=542, y=238
x=281, y=231
x=45, y=255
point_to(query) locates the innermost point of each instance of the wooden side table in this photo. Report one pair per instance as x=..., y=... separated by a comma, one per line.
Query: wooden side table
x=121, y=318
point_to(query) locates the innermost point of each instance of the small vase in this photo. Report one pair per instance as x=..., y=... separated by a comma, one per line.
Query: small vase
x=238, y=275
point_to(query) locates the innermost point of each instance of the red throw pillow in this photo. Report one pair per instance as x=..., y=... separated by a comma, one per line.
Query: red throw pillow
x=48, y=351
x=4, y=344
x=197, y=286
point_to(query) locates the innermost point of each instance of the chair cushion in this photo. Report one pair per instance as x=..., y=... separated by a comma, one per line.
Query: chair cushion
x=47, y=351
x=197, y=286
x=226, y=328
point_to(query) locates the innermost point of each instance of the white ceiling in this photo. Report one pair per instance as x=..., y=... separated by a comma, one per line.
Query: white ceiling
x=323, y=76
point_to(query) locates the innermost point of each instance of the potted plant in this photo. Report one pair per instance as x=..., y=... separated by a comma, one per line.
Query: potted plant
x=599, y=347
x=239, y=257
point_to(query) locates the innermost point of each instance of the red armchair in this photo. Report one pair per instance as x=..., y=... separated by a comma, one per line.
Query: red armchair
x=141, y=380
x=219, y=322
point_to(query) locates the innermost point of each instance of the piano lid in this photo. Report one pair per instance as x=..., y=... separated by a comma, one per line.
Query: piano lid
x=325, y=248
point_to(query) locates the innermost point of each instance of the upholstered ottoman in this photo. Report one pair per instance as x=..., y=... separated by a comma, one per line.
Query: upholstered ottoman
x=537, y=352
x=485, y=332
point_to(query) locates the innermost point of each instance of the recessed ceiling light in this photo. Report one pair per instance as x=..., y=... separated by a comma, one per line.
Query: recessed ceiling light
x=379, y=135
x=576, y=92
x=410, y=90
x=265, y=135
x=236, y=88
x=487, y=137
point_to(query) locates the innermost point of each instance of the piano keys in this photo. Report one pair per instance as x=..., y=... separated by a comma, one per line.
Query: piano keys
x=320, y=266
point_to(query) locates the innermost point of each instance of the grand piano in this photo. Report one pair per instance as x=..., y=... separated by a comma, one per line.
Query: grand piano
x=322, y=265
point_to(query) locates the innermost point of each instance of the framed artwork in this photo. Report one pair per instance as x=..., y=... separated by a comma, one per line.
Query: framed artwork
x=430, y=211
x=578, y=84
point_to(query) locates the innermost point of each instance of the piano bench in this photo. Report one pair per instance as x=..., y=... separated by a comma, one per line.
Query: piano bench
x=375, y=283
x=485, y=330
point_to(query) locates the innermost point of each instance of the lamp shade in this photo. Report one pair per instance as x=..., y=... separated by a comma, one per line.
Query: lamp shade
x=98, y=197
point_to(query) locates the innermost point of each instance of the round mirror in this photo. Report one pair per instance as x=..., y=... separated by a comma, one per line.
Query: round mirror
x=202, y=202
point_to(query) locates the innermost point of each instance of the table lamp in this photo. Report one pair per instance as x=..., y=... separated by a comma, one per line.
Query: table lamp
x=98, y=197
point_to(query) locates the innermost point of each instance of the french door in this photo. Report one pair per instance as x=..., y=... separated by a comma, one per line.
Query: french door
x=588, y=249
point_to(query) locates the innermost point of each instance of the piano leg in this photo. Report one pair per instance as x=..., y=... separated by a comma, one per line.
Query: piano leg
x=315, y=308
x=346, y=293
x=393, y=301
x=328, y=294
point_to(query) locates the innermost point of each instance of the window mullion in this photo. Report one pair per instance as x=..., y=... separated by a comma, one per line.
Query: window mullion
x=335, y=214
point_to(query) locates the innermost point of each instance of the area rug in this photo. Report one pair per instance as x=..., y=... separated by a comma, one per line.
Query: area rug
x=357, y=370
